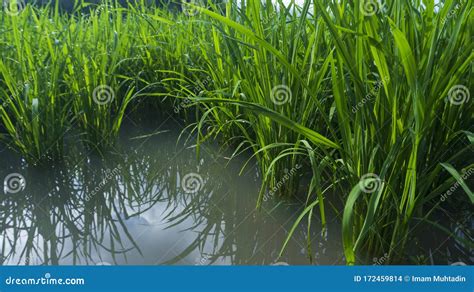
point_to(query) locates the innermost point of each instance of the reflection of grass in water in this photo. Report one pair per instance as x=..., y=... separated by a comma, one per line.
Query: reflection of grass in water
x=55, y=209
x=395, y=138
x=82, y=214
x=350, y=94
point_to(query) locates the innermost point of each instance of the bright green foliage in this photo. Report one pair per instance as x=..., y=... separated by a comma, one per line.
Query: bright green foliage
x=375, y=104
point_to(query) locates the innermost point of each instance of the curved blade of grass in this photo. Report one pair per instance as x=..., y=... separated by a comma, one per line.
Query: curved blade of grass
x=279, y=118
x=459, y=179
x=297, y=222
x=347, y=228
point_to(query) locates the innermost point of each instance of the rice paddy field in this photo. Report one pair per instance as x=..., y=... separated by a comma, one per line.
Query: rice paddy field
x=316, y=132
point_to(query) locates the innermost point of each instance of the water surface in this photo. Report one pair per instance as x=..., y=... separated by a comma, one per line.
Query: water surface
x=151, y=200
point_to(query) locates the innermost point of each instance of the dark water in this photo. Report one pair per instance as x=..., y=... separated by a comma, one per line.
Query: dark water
x=153, y=200
x=150, y=201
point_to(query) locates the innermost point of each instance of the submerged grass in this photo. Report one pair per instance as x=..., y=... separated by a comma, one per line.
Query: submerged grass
x=371, y=102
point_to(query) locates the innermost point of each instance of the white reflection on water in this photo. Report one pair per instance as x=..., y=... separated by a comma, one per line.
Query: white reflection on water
x=142, y=216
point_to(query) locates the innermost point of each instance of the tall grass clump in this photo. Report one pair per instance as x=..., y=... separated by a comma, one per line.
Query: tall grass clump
x=368, y=101
x=75, y=74
x=33, y=104
x=260, y=62
x=380, y=102
x=100, y=49
x=413, y=123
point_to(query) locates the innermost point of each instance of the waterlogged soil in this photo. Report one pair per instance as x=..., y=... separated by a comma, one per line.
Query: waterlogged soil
x=150, y=200
x=156, y=199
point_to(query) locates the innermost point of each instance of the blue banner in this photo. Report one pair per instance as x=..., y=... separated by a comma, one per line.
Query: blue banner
x=237, y=278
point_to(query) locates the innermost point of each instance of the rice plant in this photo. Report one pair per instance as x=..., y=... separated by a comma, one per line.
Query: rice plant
x=396, y=108
x=33, y=107
x=368, y=100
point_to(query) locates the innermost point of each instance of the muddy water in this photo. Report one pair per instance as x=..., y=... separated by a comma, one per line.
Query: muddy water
x=151, y=200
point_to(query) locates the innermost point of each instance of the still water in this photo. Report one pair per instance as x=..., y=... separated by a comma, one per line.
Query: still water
x=152, y=200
